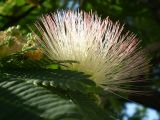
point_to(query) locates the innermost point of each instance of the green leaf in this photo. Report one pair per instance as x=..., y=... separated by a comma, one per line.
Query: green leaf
x=64, y=79
x=47, y=94
x=21, y=100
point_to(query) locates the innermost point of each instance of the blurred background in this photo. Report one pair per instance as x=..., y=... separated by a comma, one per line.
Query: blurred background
x=141, y=17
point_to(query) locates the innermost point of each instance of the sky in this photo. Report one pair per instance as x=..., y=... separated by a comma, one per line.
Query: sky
x=132, y=107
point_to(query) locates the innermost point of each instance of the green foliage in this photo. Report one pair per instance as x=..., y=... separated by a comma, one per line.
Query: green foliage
x=64, y=79
x=33, y=103
x=53, y=94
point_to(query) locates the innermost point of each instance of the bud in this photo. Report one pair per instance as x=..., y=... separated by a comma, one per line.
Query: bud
x=11, y=41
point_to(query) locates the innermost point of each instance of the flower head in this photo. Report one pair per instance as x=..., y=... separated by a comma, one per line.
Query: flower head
x=97, y=45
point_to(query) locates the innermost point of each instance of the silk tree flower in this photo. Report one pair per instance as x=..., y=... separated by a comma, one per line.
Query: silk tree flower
x=98, y=45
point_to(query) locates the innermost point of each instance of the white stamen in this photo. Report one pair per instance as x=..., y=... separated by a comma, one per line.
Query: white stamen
x=110, y=58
